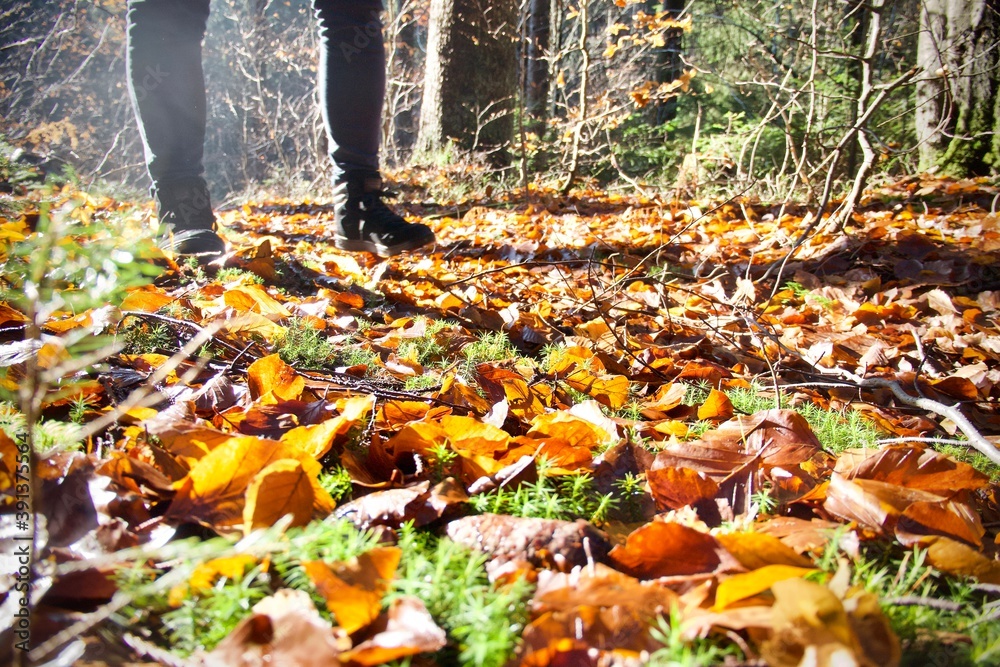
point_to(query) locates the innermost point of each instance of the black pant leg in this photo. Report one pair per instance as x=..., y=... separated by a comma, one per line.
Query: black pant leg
x=167, y=86
x=351, y=81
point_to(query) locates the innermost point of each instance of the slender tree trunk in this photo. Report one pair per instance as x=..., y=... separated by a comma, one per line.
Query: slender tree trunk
x=667, y=64
x=536, y=89
x=470, y=81
x=958, y=106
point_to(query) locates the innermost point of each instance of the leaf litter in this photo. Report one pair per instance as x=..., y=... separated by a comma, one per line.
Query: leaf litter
x=637, y=350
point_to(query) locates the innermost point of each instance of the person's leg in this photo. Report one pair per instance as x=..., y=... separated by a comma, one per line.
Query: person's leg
x=352, y=92
x=167, y=88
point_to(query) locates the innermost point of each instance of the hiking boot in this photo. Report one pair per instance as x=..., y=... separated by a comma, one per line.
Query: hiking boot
x=187, y=224
x=365, y=223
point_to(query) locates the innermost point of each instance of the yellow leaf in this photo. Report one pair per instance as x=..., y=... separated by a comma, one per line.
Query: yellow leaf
x=206, y=574
x=742, y=586
x=255, y=299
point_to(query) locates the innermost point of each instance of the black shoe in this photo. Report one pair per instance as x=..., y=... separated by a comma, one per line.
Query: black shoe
x=187, y=224
x=365, y=223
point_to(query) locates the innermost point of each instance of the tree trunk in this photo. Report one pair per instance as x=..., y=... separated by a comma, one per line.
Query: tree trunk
x=958, y=108
x=470, y=80
x=668, y=64
x=536, y=93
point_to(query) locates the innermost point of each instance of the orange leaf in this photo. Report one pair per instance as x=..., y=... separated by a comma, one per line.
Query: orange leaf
x=407, y=629
x=673, y=488
x=954, y=557
x=717, y=407
x=255, y=299
x=214, y=491
x=281, y=488
x=353, y=589
x=146, y=299
x=271, y=374
x=316, y=439
x=661, y=549
x=576, y=431
x=206, y=574
x=609, y=390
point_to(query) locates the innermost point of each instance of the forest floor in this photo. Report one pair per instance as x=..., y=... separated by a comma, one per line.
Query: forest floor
x=600, y=429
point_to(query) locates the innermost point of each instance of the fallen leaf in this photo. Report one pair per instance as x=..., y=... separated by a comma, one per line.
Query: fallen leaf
x=959, y=559
x=215, y=489
x=284, y=629
x=738, y=587
x=755, y=550
x=406, y=629
x=673, y=488
x=282, y=488
x=717, y=407
x=661, y=549
x=354, y=589
x=543, y=542
x=272, y=375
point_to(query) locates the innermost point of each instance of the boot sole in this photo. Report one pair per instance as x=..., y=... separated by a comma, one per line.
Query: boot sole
x=359, y=245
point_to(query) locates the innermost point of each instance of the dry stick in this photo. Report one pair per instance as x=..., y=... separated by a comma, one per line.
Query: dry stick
x=863, y=117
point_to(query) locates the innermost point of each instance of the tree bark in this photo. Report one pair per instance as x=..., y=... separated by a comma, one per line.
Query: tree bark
x=536, y=88
x=470, y=81
x=958, y=106
x=667, y=63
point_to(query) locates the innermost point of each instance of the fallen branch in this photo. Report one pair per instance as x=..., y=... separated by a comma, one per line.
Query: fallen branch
x=976, y=439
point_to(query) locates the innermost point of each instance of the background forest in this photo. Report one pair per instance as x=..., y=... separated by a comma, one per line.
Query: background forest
x=782, y=96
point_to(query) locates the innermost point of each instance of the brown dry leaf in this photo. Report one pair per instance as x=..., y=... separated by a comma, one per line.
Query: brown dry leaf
x=419, y=503
x=281, y=488
x=756, y=550
x=660, y=549
x=542, y=542
x=959, y=559
x=951, y=519
x=272, y=375
x=354, y=589
x=717, y=407
x=284, y=629
x=875, y=506
x=801, y=535
x=782, y=438
x=599, y=586
x=214, y=491
x=918, y=467
x=739, y=587
x=602, y=629
x=406, y=629
x=673, y=488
